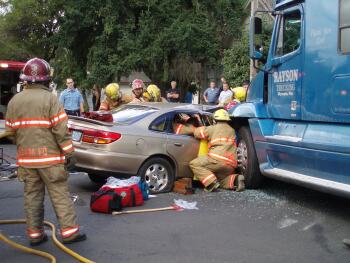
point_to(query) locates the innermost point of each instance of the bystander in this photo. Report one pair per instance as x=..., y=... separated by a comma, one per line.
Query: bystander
x=71, y=99
x=173, y=94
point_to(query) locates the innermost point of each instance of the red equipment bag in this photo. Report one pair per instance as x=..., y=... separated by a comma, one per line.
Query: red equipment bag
x=105, y=201
x=130, y=195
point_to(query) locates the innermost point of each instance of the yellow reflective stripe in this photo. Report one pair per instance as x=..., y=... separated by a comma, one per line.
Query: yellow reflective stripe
x=202, y=133
x=179, y=129
x=68, y=147
x=206, y=179
x=34, y=235
x=221, y=157
x=69, y=232
x=222, y=140
x=17, y=124
x=232, y=180
x=56, y=119
x=38, y=160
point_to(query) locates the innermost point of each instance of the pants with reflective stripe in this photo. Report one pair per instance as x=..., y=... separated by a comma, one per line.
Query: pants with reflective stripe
x=54, y=178
x=207, y=169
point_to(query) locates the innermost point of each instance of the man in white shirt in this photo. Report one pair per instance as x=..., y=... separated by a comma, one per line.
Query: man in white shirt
x=225, y=95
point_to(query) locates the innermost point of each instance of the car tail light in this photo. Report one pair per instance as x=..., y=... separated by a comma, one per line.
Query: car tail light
x=96, y=136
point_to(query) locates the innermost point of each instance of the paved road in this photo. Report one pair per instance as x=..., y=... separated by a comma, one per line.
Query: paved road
x=279, y=223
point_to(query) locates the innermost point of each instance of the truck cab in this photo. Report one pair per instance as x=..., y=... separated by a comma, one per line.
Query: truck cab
x=295, y=124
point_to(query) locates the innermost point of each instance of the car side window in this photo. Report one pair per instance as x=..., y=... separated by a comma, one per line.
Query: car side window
x=208, y=120
x=159, y=124
x=187, y=120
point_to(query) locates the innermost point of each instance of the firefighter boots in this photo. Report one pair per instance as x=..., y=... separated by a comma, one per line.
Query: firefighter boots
x=74, y=238
x=212, y=187
x=240, y=183
x=37, y=241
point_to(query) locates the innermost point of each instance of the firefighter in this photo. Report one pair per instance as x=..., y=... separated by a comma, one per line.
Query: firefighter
x=216, y=169
x=137, y=91
x=114, y=98
x=181, y=124
x=153, y=94
x=39, y=125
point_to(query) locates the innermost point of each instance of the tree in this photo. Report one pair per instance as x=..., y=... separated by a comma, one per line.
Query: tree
x=98, y=41
x=236, y=62
x=27, y=28
x=167, y=39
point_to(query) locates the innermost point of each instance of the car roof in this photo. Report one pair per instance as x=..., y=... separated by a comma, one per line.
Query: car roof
x=161, y=106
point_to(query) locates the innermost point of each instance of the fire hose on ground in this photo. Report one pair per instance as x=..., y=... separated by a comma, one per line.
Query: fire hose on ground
x=38, y=252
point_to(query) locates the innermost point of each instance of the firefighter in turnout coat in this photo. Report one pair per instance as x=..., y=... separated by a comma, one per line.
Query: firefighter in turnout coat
x=114, y=98
x=39, y=125
x=216, y=169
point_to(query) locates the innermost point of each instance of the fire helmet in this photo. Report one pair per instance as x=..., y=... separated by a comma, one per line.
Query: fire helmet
x=146, y=96
x=240, y=93
x=221, y=115
x=112, y=91
x=137, y=84
x=36, y=70
x=154, y=91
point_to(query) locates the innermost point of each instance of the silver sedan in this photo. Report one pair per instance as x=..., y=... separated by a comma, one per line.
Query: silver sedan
x=138, y=139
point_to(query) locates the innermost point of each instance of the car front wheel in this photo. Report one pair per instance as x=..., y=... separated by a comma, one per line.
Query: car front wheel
x=158, y=174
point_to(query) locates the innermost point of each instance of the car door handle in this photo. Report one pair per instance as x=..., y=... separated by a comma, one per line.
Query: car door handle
x=178, y=144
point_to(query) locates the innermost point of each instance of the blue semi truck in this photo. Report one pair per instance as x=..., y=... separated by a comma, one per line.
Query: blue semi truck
x=295, y=124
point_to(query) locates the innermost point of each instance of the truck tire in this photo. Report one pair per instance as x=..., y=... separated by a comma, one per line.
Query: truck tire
x=159, y=174
x=247, y=160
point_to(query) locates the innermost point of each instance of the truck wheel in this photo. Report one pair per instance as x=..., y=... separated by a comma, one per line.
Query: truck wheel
x=158, y=174
x=97, y=179
x=247, y=160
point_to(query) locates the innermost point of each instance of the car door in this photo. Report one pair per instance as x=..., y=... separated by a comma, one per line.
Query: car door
x=182, y=148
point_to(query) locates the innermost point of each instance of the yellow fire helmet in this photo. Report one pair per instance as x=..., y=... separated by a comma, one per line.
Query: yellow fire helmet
x=240, y=93
x=221, y=115
x=154, y=91
x=112, y=91
x=147, y=96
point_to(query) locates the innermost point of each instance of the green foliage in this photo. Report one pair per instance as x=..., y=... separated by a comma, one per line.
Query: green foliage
x=236, y=62
x=27, y=28
x=98, y=41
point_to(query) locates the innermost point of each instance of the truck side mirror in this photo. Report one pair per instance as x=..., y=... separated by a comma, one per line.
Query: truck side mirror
x=257, y=25
x=255, y=29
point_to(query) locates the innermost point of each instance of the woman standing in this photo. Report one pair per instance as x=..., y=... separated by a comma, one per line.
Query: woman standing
x=96, y=97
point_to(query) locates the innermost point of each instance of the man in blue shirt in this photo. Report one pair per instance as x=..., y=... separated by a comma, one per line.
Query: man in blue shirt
x=71, y=99
x=173, y=94
x=211, y=94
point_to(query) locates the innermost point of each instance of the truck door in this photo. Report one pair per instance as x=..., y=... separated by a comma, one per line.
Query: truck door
x=286, y=66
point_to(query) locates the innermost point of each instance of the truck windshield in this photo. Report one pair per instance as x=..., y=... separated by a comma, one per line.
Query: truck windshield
x=289, y=33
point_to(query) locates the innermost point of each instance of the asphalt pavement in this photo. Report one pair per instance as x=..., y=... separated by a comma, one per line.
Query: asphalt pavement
x=278, y=223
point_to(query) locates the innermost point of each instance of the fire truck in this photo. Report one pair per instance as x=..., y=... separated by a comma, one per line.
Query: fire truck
x=9, y=78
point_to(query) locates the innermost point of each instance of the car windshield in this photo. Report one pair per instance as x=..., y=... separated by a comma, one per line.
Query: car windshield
x=130, y=114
